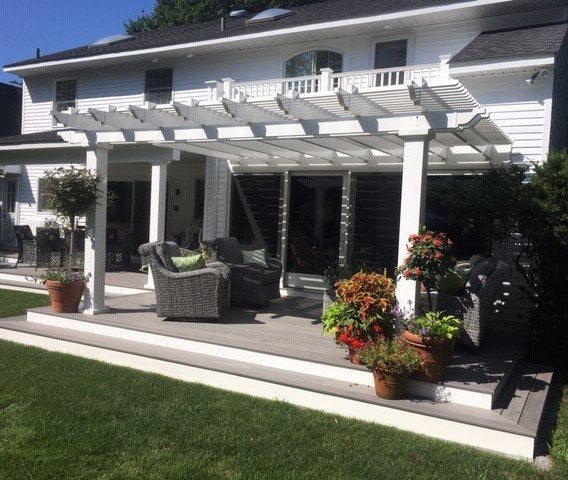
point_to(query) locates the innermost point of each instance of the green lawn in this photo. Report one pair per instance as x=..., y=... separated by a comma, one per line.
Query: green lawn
x=63, y=417
x=13, y=303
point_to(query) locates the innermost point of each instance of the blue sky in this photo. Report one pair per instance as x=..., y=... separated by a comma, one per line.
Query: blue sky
x=54, y=25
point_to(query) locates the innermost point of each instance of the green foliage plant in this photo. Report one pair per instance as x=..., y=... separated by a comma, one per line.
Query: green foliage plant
x=435, y=326
x=390, y=356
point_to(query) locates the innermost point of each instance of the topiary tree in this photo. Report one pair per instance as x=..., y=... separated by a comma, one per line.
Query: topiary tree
x=71, y=193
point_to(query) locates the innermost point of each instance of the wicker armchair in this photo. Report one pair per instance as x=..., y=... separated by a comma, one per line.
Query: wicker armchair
x=39, y=250
x=476, y=304
x=250, y=283
x=200, y=293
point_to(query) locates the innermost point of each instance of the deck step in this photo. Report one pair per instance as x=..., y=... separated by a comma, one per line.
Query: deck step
x=511, y=429
x=472, y=380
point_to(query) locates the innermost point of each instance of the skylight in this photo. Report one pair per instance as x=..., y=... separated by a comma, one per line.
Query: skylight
x=111, y=39
x=270, y=14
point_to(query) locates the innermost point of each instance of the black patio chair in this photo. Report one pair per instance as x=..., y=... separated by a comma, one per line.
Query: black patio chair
x=26, y=244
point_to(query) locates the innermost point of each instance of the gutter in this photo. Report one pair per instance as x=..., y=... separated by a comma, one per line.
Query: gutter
x=271, y=33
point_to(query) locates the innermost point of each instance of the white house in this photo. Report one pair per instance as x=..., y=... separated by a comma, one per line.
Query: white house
x=313, y=130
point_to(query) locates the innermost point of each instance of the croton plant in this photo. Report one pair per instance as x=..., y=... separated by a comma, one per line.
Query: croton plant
x=362, y=312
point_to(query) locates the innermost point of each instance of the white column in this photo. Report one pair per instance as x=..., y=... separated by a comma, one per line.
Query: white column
x=412, y=205
x=95, y=238
x=157, y=208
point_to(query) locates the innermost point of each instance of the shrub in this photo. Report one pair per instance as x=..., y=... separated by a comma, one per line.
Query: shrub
x=390, y=356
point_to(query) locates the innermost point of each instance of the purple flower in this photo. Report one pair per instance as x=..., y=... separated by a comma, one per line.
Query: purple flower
x=424, y=332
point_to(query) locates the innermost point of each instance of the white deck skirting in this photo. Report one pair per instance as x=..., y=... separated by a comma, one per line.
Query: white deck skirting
x=498, y=441
x=437, y=392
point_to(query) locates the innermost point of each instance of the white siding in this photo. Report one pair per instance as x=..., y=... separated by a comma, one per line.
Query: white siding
x=518, y=108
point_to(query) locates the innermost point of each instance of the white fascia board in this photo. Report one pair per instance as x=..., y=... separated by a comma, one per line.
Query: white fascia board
x=496, y=66
x=40, y=146
x=445, y=9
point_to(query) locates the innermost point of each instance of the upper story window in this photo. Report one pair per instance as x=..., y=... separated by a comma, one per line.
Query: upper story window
x=390, y=54
x=158, y=85
x=65, y=94
x=310, y=63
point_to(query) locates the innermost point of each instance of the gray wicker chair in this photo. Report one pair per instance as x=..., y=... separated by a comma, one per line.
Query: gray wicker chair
x=250, y=283
x=476, y=304
x=202, y=293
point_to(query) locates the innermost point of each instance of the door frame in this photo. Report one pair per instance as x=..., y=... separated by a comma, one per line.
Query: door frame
x=309, y=281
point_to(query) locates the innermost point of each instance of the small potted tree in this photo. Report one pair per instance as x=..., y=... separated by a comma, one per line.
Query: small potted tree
x=432, y=334
x=391, y=361
x=71, y=193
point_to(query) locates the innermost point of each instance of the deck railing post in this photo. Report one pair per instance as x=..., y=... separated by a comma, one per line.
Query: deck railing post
x=215, y=90
x=445, y=67
x=228, y=87
x=326, y=80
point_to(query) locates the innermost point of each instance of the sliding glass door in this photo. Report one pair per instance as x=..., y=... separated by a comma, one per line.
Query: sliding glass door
x=314, y=228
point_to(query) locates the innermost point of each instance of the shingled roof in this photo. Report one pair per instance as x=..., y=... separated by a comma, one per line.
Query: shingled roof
x=531, y=41
x=325, y=11
x=49, y=136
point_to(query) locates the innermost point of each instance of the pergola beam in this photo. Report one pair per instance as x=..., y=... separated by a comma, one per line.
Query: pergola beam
x=115, y=119
x=302, y=108
x=159, y=119
x=249, y=112
x=201, y=115
x=359, y=105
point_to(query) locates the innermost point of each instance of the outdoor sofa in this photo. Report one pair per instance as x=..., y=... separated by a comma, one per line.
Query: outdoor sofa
x=251, y=283
x=202, y=293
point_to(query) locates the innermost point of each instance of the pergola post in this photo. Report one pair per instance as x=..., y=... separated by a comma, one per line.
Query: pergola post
x=95, y=238
x=412, y=207
x=157, y=208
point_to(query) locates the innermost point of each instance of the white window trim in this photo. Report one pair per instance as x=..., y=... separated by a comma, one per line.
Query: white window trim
x=158, y=66
x=54, y=94
x=410, y=38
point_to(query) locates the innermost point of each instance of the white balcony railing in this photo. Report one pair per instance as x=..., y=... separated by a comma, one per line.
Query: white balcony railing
x=385, y=78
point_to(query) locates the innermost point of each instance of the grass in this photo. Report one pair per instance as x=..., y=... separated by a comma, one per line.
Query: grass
x=63, y=417
x=14, y=303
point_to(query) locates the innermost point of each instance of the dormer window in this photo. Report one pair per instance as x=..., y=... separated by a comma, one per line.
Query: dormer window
x=65, y=94
x=158, y=85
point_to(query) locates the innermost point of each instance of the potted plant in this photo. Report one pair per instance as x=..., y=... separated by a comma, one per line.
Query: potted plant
x=333, y=274
x=433, y=336
x=430, y=257
x=362, y=312
x=392, y=361
x=70, y=193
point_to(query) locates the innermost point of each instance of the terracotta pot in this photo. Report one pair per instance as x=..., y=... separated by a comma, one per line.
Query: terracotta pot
x=352, y=357
x=435, y=353
x=391, y=387
x=65, y=297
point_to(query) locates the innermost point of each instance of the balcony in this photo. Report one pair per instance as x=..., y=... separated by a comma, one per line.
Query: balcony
x=328, y=81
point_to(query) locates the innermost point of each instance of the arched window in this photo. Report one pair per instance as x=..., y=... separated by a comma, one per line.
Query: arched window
x=310, y=63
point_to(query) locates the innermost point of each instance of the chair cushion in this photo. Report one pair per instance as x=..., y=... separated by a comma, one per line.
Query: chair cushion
x=255, y=256
x=229, y=250
x=480, y=273
x=189, y=263
x=452, y=283
x=167, y=250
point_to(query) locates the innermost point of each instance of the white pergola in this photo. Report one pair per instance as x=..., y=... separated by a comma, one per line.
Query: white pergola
x=339, y=122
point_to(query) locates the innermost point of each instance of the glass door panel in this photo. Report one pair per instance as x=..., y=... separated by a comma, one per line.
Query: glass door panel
x=314, y=225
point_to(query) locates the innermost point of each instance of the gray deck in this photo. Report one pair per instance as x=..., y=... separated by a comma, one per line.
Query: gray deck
x=291, y=327
x=519, y=412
